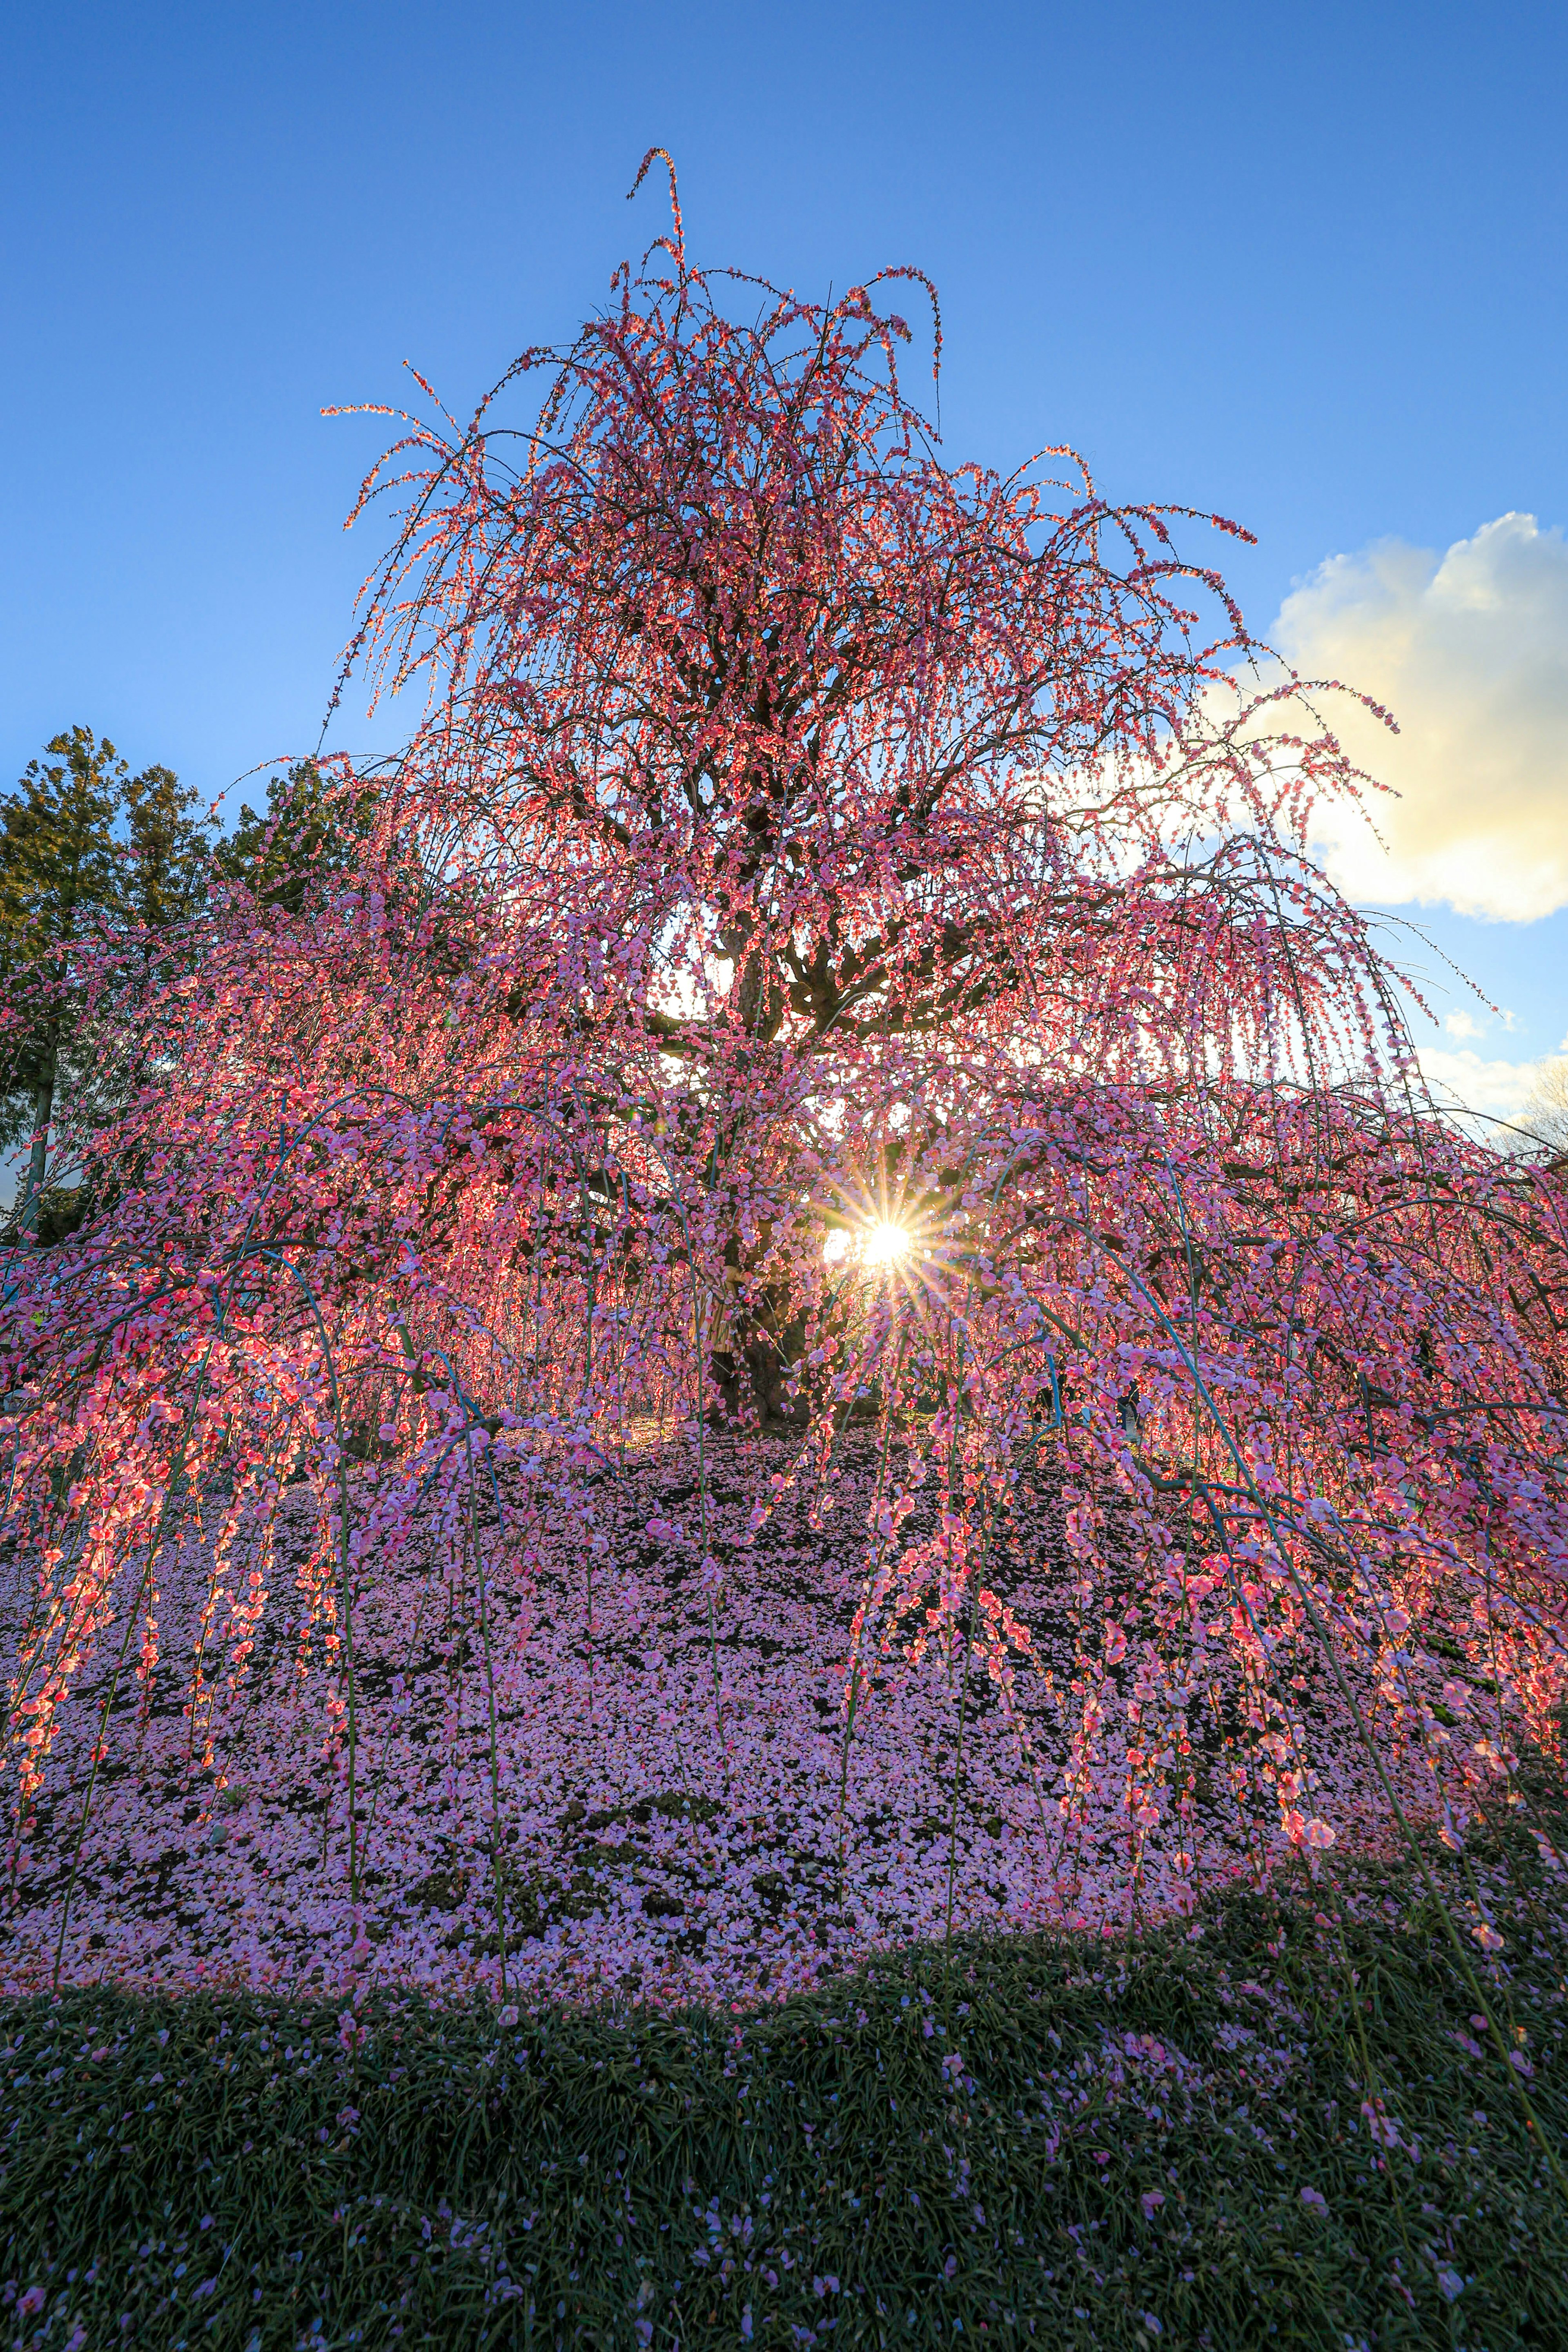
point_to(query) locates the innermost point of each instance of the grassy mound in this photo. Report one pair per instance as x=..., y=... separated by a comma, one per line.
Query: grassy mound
x=1274, y=2126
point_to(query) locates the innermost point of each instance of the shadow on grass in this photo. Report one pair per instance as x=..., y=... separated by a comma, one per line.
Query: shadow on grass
x=1257, y=2128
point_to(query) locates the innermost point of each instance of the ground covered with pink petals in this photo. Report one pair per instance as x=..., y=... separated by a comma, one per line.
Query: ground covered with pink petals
x=612, y=1775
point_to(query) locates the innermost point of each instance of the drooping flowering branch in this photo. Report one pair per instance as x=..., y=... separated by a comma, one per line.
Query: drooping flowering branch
x=810, y=841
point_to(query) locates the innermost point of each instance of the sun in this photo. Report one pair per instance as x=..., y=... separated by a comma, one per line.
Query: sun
x=877, y=1245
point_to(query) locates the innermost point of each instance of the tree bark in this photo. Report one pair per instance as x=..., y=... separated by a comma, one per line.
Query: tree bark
x=43, y=1110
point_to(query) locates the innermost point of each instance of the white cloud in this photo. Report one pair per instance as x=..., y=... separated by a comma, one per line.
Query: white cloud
x=1466, y=1080
x=1463, y=1024
x=1470, y=655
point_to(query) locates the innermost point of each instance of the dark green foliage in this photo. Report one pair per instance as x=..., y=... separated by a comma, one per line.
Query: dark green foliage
x=594, y=2180
x=95, y=865
x=312, y=829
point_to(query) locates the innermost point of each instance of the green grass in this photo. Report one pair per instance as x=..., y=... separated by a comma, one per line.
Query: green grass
x=220, y=2171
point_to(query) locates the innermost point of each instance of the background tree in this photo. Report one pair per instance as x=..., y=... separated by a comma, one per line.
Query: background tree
x=96, y=865
x=1544, y=1118
x=314, y=827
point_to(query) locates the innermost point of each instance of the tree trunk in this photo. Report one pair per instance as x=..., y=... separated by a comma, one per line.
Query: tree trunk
x=43, y=1109
x=764, y=1345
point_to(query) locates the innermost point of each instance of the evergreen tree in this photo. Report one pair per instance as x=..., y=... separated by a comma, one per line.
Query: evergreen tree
x=96, y=866
x=312, y=828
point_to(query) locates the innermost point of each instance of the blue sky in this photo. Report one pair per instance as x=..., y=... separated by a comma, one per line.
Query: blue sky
x=1302, y=264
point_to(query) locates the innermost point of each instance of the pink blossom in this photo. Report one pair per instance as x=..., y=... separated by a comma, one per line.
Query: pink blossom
x=541, y=1566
